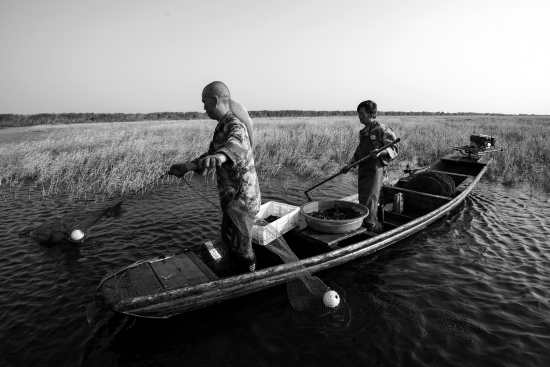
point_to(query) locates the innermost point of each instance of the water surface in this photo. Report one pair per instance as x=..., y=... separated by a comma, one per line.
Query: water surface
x=472, y=289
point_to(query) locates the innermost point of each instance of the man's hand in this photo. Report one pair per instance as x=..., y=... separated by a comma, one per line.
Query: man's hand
x=178, y=170
x=212, y=161
x=374, y=155
x=345, y=169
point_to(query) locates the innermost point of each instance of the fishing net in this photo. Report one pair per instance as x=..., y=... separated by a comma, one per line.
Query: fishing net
x=74, y=227
x=432, y=182
x=305, y=291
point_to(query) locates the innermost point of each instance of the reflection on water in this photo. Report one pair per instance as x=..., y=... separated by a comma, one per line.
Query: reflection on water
x=472, y=289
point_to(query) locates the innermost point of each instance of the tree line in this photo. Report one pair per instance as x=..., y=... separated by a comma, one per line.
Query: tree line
x=75, y=118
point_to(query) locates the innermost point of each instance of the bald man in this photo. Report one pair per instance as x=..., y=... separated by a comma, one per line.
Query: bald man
x=230, y=153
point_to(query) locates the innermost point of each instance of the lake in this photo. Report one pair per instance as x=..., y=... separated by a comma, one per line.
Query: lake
x=472, y=289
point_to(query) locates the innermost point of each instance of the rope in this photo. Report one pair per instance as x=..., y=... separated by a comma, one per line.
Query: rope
x=125, y=270
x=196, y=192
x=143, y=187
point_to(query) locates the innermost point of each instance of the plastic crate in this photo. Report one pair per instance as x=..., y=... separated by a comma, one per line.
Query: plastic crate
x=289, y=217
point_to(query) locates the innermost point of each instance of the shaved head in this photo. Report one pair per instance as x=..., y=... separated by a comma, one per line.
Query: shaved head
x=217, y=89
x=216, y=97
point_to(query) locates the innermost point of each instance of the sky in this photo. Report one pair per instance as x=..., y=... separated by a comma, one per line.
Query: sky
x=135, y=56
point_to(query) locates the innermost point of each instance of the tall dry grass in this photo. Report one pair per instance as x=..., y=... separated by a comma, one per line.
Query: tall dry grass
x=117, y=158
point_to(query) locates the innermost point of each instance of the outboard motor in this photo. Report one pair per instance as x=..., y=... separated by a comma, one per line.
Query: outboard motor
x=479, y=145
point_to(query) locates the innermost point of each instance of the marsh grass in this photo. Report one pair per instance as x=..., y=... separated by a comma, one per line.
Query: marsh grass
x=102, y=160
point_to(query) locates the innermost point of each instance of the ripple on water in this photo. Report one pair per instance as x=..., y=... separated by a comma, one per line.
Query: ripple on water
x=472, y=289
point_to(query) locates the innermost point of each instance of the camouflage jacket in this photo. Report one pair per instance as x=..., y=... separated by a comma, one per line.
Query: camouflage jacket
x=376, y=135
x=238, y=174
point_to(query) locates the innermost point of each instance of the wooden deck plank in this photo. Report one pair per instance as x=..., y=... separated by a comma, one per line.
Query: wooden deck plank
x=149, y=277
x=143, y=279
x=189, y=270
x=201, y=265
x=151, y=281
x=110, y=291
x=122, y=285
x=168, y=274
x=134, y=290
x=135, y=287
x=115, y=286
x=329, y=239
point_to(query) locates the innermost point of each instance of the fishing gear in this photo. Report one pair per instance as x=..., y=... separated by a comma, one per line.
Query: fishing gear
x=479, y=145
x=376, y=151
x=75, y=227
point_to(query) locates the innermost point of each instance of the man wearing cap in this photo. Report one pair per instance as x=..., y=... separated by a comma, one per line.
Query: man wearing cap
x=230, y=153
x=372, y=171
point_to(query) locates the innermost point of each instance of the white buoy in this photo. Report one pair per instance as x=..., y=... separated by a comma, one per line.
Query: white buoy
x=331, y=299
x=77, y=235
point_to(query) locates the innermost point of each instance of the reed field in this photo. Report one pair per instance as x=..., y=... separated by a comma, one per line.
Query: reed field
x=108, y=159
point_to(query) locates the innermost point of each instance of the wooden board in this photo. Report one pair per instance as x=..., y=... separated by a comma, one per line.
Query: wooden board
x=329, y=239
x=205, y=269
x=143, y=280
x=180, y=271
x=150, y=279
x=113, y=289
x=191, y=272
x=133, y=282
x=168, y=274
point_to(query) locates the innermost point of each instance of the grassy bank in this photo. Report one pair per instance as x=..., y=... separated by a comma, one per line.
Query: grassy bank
x=12, y=120
x=115, y=158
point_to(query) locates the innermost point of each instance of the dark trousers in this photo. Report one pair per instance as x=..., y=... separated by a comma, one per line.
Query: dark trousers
x=239, y=241
x=370, y=184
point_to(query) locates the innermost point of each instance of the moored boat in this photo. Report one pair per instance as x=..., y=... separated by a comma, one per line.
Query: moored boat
x=199, y=276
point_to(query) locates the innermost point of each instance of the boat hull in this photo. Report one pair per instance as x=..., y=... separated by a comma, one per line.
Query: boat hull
x=167, y=302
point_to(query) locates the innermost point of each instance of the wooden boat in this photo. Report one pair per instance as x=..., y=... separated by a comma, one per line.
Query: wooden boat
x=198, y=277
